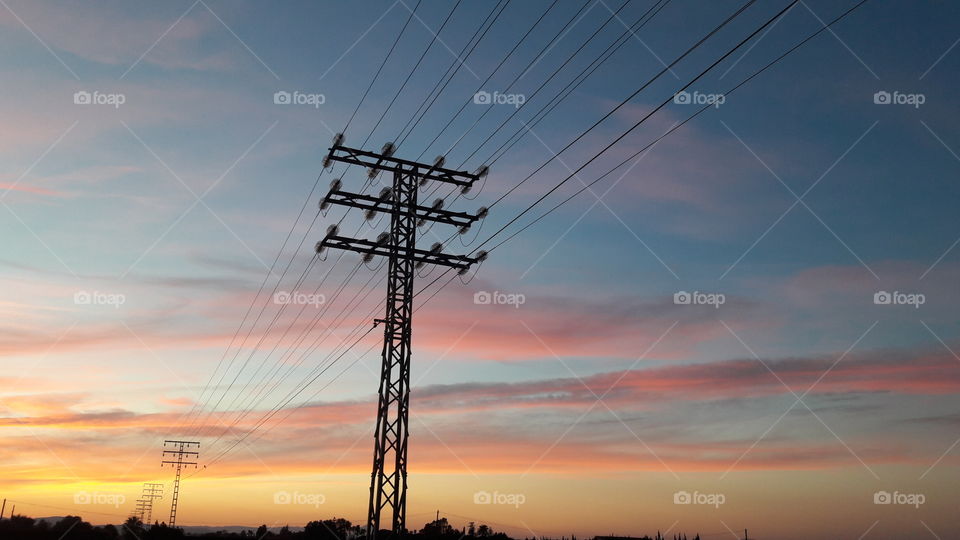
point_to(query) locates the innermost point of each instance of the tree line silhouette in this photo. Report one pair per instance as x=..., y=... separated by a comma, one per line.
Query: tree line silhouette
x=21, y=527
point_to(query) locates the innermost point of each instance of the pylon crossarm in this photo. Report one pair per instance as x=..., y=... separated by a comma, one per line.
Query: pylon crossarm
x=359, y=245
x=384, y=162
x=377, y=204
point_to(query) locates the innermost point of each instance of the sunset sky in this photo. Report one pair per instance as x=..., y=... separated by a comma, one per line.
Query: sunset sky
x=137, y=231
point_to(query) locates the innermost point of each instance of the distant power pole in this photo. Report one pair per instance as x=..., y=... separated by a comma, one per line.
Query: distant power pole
x=141, y=510
x=180, y=452
x=388, y=482
x=151, y=492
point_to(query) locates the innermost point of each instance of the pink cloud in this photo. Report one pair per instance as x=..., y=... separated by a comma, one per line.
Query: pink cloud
x=447, y=408
x=25, y=188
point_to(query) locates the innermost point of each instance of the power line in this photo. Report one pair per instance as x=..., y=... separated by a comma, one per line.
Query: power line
x=633, y=95
x=359, y=104
x=380, y=69
x=451, y=72
x=266, y=332
x=658, y=75
x=326, y=305
x=436, y=36
x=337, y=319
x=254, y=299
x=296, y=343
x=744, y=7
x=626, y=100
x=279, y=362
x=263, y=307
x=546, y=48
x=646, y=17
x=648, y=146
x=523, y=38
x=397, y=94
x=574, y=83
x=634, y=126
x=695, y=114
x=325, y=365
x=275, y=410
x=734, y=88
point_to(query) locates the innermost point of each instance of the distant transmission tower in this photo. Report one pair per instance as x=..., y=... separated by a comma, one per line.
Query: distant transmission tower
x=180, y=452
x=141, y=510
x=388, y=482
x=151, y=492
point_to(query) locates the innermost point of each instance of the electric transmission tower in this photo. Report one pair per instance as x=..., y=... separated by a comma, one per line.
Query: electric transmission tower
x=151, y=492
x=180, y=452
x=141, y=510
x=388, y=482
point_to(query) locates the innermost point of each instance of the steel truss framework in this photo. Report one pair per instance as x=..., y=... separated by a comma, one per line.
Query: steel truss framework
x=388, y=482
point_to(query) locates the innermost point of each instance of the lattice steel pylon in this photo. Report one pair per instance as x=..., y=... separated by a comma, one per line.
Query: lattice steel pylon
x=151, y=492
x=388, y=481
x=180, y=451
x=141, y=509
